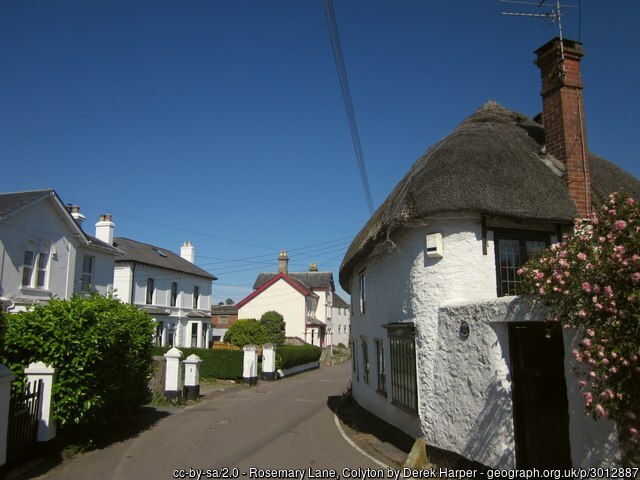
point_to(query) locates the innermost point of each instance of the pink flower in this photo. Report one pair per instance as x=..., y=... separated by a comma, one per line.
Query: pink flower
x=586, y=286
x=620, y=224
x=582, y=313
x=582, y=256
x=635, y=278
x=608, y=291
x=586, y=342
x=600, y=410
x=582, y=383
x=629, y=201
x=590, y=332
x=633, y=431
x=539, y=275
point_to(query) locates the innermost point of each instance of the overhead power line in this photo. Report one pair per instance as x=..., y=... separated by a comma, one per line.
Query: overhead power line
x=346, y=97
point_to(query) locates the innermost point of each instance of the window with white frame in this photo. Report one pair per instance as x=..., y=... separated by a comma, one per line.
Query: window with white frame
x=174, y=294
x=365, y=358
x=404, y=387
x=35, y=269
x=223, y=319
x=86, y=278
x=150, y=291
x=362, y=294
x=196, y=296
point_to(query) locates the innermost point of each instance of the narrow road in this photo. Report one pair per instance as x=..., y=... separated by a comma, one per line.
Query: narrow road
x=277, y=425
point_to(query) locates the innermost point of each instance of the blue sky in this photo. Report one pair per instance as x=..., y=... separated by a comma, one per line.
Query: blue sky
x=222, y=122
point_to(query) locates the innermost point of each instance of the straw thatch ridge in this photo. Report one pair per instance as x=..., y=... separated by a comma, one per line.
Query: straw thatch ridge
x=492, y=163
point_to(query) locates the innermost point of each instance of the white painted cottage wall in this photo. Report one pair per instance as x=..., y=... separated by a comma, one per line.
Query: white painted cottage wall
x=103, y=271
x=461, y=388
x=340, y=323
x=285, y=300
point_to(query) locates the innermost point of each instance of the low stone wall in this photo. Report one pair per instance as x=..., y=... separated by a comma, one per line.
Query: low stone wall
x=297, y=369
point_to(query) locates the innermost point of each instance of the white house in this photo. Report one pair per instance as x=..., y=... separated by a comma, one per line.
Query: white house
x=170, y=287
x=443, y=348
x=304, y=299
x=341, y=320
x=45, y=253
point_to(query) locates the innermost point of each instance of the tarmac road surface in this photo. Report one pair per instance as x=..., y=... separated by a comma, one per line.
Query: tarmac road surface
x=244, y=432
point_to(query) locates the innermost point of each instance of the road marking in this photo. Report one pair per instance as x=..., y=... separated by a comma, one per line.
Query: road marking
x=352, y=443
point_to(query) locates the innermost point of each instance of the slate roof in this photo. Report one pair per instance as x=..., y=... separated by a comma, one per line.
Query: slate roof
x=309, y=280
x=15, y=200
x=491, y=163
x=156, y=256
x=338, y=302
x=224, y=310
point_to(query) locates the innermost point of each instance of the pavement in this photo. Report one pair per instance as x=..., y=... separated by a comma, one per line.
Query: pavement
x=290, y=423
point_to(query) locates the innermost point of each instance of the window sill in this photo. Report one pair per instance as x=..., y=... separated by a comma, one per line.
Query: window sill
x=404, y=408
x=35, y=292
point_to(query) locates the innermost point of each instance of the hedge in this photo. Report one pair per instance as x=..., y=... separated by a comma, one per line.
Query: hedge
x=215, y=363
x=288, y=356
x=100, y=347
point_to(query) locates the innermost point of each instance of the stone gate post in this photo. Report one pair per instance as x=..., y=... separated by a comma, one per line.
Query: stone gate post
x=46, y=423
x=192, y=376
x=268, y=361
x=6, y=377
x=250, y=365
x=173, y=377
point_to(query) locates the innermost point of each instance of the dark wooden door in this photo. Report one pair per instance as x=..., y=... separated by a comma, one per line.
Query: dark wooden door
x=541, y=417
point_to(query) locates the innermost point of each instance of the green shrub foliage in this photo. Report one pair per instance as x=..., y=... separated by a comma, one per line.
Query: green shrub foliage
x=225, y=364
x=273, y=325
x=293, y=355
x=100, y=347
x=244, y=332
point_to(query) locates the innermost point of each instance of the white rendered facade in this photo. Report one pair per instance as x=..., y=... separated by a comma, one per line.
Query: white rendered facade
x=42, y=250
x=464, y=385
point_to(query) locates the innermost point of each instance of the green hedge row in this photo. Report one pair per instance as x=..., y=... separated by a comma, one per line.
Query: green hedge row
x=215, y=363
x=288, y=356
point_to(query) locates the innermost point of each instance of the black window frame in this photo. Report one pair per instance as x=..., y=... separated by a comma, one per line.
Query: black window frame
x=365, y=358
x=522, y=237
x=404, y=373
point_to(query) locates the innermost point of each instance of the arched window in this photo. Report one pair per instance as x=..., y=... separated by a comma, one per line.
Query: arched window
x=196, y=296
x=174, y=294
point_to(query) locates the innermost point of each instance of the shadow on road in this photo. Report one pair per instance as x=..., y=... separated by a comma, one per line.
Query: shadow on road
x=369, y=431
x=69, y=443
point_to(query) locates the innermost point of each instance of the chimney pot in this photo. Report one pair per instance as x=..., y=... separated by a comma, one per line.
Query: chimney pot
x=313, y=267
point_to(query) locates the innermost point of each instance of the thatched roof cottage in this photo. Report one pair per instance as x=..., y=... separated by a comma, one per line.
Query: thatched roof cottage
x=443, y=349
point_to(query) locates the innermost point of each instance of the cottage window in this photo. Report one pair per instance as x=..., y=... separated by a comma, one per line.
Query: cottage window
x=362, y=293
x=174, y=294
x=513, y=249
x=223, y=319
x=87, y=273
x=382, y=379
x=354, y=362
x=404, y=387
x=150, y=291
x=365, y=358
x=196, y=296
x=194, y=335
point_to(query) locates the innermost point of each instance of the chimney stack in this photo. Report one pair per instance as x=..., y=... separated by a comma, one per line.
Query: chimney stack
x=74, y=210
x=313, y=267
x=188, y=252
x=563, y=115
x=105, y=228
x=283, y=262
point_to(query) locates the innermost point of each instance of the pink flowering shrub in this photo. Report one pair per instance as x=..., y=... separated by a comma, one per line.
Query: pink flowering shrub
x=591, y=281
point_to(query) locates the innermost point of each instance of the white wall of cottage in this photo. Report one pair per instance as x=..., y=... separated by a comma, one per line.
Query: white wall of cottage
x=464, y=389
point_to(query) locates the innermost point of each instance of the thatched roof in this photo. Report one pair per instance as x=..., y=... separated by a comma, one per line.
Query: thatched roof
x=491, y=163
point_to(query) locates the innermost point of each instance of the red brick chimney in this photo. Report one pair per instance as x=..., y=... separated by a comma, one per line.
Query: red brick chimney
x=563, y=115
